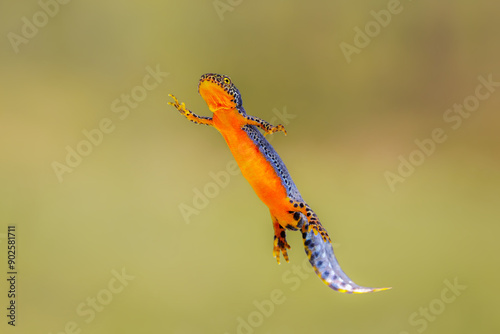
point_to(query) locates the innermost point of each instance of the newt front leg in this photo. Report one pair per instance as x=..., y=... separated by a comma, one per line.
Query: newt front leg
x=189, y=114
x=266, y=126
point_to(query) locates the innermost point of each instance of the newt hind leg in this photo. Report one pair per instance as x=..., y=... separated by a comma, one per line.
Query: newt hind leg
x=280, y=243
x=293, y=220
x=303, y=214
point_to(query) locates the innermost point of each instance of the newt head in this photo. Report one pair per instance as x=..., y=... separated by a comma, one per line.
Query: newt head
x=219, y=92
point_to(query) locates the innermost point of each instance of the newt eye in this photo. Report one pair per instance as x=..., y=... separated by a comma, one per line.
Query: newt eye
x=227, y=81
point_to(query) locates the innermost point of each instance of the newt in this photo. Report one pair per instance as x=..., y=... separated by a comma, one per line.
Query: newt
x=269, y=177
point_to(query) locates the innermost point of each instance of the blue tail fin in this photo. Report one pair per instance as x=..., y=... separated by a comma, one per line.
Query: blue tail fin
x=324, y=262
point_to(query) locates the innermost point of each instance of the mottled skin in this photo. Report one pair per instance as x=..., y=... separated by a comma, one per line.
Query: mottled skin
x=269, y=177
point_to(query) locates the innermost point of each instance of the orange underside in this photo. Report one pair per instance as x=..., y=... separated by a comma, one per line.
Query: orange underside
x=254, y=166
x=215, y=96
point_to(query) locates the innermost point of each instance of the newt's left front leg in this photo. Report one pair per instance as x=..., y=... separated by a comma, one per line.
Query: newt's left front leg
x=266, y=126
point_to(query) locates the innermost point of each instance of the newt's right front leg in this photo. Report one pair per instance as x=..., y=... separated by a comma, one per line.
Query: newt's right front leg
x=190, y=115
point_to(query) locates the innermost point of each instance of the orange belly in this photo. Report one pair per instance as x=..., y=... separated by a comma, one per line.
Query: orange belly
x=256, y=169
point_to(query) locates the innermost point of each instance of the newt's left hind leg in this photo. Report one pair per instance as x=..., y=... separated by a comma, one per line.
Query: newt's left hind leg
x=280, y=243
x=303, y=215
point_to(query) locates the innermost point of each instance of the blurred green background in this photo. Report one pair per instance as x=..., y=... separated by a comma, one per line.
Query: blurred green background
x=119, y=210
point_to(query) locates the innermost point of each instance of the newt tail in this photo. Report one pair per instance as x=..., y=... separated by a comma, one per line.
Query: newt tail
x=325, y=264
x=269, y=177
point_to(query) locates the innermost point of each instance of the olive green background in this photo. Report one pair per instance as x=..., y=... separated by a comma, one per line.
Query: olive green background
x=348, y=124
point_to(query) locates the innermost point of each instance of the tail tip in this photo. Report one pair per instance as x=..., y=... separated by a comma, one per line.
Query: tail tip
x=367, y=290
x=382, y=289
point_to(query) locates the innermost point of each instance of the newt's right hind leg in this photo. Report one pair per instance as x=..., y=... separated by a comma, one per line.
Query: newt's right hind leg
x=280, y=243
x=188, y=114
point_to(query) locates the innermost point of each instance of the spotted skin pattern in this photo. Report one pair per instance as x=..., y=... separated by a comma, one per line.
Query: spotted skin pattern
x=269, y=177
